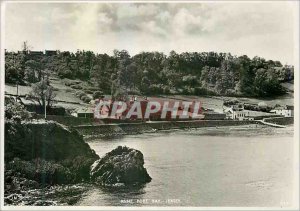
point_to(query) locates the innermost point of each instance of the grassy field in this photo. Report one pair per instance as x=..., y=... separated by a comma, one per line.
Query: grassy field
x=288, y=86
x=67, y=94
x=216, y=103
x=63, y=93
x=12, y=89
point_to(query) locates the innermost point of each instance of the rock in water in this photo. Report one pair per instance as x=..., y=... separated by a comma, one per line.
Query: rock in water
x=122, y=165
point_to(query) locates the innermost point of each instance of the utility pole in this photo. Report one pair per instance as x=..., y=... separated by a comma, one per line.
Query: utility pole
x=45, y=106
x=17, y=91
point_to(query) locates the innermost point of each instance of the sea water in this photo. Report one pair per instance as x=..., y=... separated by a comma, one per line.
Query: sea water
x=223, y=166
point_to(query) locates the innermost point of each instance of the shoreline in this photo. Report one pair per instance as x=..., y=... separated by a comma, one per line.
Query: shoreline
x=115, y=130
x=122, y=129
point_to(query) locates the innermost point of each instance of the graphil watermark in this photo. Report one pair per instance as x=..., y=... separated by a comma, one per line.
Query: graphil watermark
x=163, y=110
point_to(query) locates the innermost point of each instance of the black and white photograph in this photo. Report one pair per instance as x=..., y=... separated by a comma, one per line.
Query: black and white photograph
x=149, y=104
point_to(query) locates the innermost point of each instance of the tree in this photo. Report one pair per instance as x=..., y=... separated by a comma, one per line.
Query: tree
x=127, y=76
x=217, y=73
x=145, y=84
x=204, y=74
x=123, y=61
x=190, y=80
x=12, y=74
x=43, y=93
x=33, y=71
x=266, y=83
x=14, y=68
x=25, y=47
x=246, y=75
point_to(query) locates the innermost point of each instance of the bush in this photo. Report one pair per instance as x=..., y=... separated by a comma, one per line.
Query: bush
x=230, y=92
x=88, y=91
x=80, y=93
x=70, y=83
x=166, y=90
x=134, y=92
x=42, y=171
x=86, y=99
x=155, y=89
x=83, y=97
x=97, y=94
x=76, y=86
x=65, y=73
x=188, y=91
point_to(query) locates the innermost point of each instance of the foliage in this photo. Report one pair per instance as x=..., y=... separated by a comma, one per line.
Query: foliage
x=86, y=99
x=80, y=93
x=70, y=83
x=33, y=71
x=60, y=154
x=42, y=171
x=155, y=73
x=76, y=86
x=43, y=93
x=97, y=94
x=15, y=111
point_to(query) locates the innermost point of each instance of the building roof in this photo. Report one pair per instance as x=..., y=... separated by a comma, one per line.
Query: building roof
x=287, y=107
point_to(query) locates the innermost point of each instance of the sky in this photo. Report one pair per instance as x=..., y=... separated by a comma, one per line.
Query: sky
x=263, y=29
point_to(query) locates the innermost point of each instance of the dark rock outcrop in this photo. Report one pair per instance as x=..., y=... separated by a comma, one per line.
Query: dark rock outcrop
x=47, y=152
x=121, y=166
x=46, y=140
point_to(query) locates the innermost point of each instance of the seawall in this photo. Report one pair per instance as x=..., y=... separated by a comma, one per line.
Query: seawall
x=280, y=120
x=148, y=127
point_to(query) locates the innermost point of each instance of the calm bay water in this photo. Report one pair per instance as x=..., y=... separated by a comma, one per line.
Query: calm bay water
x=241, y=166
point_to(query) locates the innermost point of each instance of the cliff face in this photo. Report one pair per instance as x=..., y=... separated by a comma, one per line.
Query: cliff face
x=47, y=152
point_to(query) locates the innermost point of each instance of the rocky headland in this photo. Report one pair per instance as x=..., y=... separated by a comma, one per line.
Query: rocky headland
x=40, y=155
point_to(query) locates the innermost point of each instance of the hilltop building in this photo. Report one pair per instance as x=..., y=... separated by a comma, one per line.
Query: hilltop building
x=36, y=53
x=50, y=53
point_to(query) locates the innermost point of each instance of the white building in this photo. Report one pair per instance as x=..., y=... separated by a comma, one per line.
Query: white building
x=236, y=112
x=237, y=115
x=286, y=111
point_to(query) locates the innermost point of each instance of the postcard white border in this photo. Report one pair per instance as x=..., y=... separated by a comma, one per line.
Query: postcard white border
x=295, y=205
